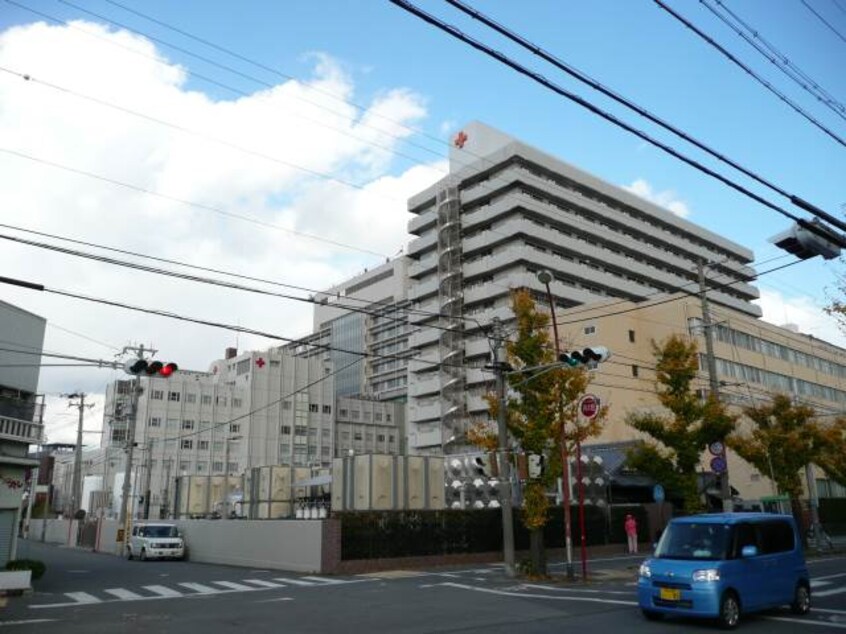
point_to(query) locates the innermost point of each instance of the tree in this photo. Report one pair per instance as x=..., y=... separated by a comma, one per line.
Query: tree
x=542, y=401
x=832, y=457
x=682, y=433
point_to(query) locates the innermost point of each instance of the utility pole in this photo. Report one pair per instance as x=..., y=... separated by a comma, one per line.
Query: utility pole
x=713, y=382
x=77, y=400
x=148, y=466
x=166, y=492
x=123, y=518
x=504, y=459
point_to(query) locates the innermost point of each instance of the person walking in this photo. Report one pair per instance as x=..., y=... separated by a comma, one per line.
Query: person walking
x=631, y=533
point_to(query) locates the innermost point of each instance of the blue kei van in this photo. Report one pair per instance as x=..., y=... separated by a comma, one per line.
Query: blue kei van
x=724, y=565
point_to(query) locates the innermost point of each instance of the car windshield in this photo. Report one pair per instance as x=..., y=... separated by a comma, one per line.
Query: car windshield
x=159, y=531
x=688, y=540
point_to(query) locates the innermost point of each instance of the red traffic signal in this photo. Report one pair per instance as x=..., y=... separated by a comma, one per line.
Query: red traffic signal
x=150, y=368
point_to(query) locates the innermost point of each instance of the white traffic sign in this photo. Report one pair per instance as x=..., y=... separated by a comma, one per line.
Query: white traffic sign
x=589, y=406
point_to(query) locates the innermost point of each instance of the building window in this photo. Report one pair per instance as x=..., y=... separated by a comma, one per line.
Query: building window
x=221, y=400
x=344, y=413
x=381, y=437
x=357, y=435
x=274, y=363
x=233, y=467
x=388, y=417
x=187, y=424
x=355, y=414
x=327, y=409
x=217, y=466
x=154, y=421
x=190, y=398
x=118, y=435
x=236, y=402
x=590, y=330
x=206, y=399
x=218, y=446
x=234, y=428
x=635, y=370
x=377, y=416
x=202, y=444
x=286, y=404
x=300, y=430
x=631, y=336
x=391, y=438
x=184, y=466
x=201, y=467
x=286, y=430
x=157, y=395
x=173, y=397
x=187, y=443
x=314, y=408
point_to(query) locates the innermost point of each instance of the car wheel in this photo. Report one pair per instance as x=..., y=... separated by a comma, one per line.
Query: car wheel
x=649, y=615
x=729, y=611
x=801, y=599
x=143, y=556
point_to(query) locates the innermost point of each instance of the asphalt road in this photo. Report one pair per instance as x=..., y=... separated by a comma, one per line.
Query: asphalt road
x=89, y=593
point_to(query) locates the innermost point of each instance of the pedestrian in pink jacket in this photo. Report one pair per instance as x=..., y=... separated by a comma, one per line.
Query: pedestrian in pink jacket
x=631, y=533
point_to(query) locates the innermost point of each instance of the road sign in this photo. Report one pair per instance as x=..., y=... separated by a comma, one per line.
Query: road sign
x=658, y=493
x=718, y=464
x=716, y=448
x=589, y=406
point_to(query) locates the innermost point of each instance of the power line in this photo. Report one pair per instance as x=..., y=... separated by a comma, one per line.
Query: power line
x=777, y=58
x=540, y=79
x=608, y=92
x=783, y=97
x=824, y=21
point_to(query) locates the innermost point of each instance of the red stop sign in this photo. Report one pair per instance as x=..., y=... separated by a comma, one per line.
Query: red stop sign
x=589, y=406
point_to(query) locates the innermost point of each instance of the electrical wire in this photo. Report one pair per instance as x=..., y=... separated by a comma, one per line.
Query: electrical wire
x=540, y=79
x=628, y=103
x=766, y=84
x=824, y=21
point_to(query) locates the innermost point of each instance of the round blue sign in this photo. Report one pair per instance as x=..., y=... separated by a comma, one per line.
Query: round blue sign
x=718, y=464
x=658, y=493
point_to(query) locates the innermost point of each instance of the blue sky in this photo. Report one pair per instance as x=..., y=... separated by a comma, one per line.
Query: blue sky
x=631, y=46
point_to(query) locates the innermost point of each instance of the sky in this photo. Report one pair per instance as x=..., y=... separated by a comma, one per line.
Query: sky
x=282, y=140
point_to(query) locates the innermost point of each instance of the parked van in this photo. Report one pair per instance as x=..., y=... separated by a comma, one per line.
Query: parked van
x=725, y=565
x=155, y=541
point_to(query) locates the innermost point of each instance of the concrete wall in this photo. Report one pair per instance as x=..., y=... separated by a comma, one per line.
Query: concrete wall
x=276, y=544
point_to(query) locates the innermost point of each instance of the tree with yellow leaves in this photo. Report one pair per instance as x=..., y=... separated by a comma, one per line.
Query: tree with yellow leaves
x=543, y=403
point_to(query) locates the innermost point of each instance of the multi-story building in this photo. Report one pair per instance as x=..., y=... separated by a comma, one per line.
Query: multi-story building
x=754, y=359
x=21, y=414
x=250, y=410
x=506, y=211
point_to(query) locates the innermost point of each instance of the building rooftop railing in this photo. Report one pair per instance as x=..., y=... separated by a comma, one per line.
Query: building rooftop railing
x=20, y=430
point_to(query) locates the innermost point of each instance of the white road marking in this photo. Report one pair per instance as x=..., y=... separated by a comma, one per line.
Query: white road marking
x=806, y=621
x=815, y=583
x=840, y=574
x=123, y=594
x=576, y=590
x=294, y=582
x=264, y=584
x=29, y=622
x=815, y=609
x=240, y=587
x=200, y=588
x=329, y=581
x=163, y=591
x=828, y=593
x=82, y=597
x=274, y=600
x=462, y=586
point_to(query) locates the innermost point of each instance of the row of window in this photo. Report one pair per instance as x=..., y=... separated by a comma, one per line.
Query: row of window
x=188, y=424
x=365, y=416
x=206, y=399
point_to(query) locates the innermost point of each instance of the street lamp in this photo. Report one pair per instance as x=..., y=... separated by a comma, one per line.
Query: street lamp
x=226, y=477
x=545, y=278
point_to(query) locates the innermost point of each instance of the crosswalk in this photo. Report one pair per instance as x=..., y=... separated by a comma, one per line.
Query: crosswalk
x=186, y=589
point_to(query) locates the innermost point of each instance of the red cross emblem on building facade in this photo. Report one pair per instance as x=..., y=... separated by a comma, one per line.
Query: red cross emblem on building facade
x=460, y=139
x=260, y=363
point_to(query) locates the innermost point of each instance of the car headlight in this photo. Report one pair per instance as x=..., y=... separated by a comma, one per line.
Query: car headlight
x=710, y=574
x=645, y=571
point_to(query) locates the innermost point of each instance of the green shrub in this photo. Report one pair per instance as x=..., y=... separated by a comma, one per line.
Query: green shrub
x=37, y=567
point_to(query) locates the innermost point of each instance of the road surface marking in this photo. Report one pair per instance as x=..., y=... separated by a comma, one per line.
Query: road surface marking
x=240, y=587
x=840, y=574
x=274, y=600
x=827, y=611
x=328, y=581
x=82, y=597
x=123, y=594
x=577, y=590
x=294, y=582
x=263, y=583
x=29, y=622
x=163, y=591
x=806, y=621
x=462, y=586
x=828, y=593
x=200, y=588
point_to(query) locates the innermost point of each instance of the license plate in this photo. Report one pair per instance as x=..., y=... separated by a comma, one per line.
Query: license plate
x=669, y=594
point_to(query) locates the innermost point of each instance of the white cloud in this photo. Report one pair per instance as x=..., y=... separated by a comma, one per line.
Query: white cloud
x=801, y=312
x=304, y=131
x=667, y=198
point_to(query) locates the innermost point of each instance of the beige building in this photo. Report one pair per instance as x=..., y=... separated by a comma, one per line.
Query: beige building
x=754, y=359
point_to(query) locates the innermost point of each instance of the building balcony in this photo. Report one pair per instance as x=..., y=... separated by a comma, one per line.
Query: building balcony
x=23, y=431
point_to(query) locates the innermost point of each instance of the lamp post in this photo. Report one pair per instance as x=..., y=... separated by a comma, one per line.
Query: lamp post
x=545, y=277
x=226, y=477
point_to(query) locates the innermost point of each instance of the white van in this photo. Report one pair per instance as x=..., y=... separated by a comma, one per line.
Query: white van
x=155, y=541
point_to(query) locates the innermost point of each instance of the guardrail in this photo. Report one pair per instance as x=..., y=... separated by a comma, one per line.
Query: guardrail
x=20, y=430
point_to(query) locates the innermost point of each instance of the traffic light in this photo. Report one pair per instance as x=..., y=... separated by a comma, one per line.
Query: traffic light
x=150, y=368
x=590, y=357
